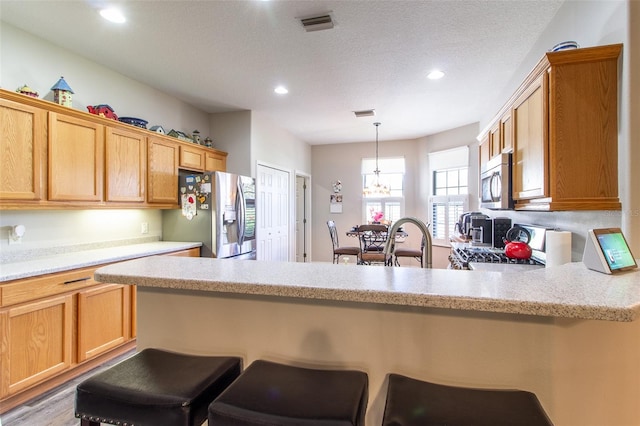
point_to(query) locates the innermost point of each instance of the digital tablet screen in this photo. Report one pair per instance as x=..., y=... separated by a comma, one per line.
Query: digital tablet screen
x=615, y=249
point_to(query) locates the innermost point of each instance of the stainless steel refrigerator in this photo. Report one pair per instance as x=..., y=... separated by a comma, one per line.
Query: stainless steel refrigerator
x=218, y=209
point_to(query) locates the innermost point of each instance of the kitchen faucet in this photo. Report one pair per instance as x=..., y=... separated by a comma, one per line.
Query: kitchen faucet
x=389, y=247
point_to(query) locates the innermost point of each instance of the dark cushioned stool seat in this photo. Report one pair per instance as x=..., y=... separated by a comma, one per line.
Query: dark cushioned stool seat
x=413, y=402
x=156, y=388
x=269, y=393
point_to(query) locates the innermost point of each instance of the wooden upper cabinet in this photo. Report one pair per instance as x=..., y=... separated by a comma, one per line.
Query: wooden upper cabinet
x=54, y=156
x=196, y=158
x=583, y=129
x=506, y=132
x=22, y=141
x=485, y=152
x=192, y=158
x=215, y=161
x=563, y=120
x=162, y=171
x=530, y=156
x=125, y=165
x=495, y=143
x=76, y=159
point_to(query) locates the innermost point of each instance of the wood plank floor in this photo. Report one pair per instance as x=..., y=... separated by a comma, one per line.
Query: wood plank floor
x=56, y=407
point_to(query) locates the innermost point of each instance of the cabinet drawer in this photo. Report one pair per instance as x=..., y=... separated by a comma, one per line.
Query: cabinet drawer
x=25, y=290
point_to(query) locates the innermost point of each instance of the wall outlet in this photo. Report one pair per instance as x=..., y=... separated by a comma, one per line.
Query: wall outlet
x=144, y=228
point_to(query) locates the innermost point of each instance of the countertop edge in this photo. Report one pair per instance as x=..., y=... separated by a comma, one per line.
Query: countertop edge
x=64, y=262
x=385, y=296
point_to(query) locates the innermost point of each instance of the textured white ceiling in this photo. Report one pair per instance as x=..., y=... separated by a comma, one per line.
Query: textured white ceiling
x=377, y=56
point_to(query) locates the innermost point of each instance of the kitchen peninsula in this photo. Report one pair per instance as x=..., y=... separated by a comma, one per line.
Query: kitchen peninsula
x=566, y=333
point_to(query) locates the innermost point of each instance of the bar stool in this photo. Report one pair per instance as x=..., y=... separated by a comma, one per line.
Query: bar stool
x=155, y=387
x=269, y=393
x=412, y=402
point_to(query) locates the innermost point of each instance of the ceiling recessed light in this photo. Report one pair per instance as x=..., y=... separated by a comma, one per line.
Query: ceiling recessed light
x=435, y=75
x=281, y=90
x=113, y=15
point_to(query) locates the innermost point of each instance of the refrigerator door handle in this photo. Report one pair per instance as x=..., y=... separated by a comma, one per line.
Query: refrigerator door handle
x=241, y=213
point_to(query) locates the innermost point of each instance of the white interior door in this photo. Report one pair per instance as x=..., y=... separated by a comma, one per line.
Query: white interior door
x=273, y=214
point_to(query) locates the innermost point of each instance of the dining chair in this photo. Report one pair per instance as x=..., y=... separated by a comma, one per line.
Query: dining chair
x=372, y=241
x=410, y=253
x=337, y=250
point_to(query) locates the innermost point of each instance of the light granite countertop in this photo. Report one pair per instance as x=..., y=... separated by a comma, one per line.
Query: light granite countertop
x=40, y=265
x=566, y=291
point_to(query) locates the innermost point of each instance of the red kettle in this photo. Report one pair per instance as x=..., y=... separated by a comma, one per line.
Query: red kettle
x=517, y=243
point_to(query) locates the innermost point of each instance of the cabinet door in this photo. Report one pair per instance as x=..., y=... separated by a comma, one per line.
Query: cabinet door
x=162, y=175
x=125, y=165
x=506, y=133
x=104, y=319
x=485, y=152
x=37, y=342
x=76, y=159
x=495, y=143
x=22, y=138
x=530, y=165
x=191, y=158
x=215, y=162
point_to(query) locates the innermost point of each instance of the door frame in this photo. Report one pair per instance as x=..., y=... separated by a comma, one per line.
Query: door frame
x=306, y=215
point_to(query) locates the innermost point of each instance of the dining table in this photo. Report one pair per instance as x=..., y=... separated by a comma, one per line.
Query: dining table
x=379, y=239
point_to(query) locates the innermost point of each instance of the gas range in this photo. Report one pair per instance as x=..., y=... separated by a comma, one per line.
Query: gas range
x=464, y=255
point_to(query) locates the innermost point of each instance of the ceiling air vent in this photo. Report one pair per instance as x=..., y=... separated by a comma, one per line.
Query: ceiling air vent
x=317, y=23
x=365, y=113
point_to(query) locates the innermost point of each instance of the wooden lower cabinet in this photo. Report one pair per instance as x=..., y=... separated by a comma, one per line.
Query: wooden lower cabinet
x=36, y=342
x=104, y=319
x=57, y=326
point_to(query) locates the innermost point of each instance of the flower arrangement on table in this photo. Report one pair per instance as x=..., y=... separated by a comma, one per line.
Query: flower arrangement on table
x=376, y=217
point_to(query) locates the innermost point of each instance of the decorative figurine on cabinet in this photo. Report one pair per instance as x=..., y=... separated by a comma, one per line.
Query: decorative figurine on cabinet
x=62, y=93
x=26, y=90
x=208, y=142
x=103, y=110
x=196, y=137
x=158, y=129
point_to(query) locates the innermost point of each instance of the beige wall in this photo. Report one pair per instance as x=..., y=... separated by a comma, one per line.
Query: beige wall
x=275, y=146
x=26, y=59
x=246, y=136
x=55, y=229
x=232, y=132
x=342, y=162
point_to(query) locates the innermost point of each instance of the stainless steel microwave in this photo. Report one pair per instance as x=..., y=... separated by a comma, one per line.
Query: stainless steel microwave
x=495, y=184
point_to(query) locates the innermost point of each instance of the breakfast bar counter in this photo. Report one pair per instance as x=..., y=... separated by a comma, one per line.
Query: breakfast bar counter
x=568, y=334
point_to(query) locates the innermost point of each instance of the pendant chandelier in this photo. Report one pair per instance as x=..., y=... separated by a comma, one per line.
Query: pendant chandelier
x=377, y=188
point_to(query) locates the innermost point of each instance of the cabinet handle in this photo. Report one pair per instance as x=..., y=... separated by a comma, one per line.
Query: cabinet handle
x=77, y=280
